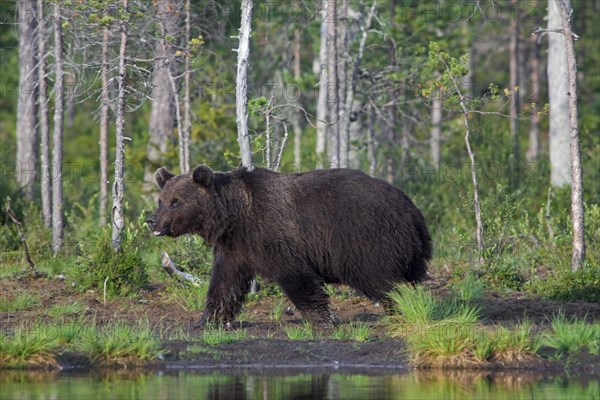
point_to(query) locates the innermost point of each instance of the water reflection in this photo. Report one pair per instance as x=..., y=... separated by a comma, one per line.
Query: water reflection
x=278, y=384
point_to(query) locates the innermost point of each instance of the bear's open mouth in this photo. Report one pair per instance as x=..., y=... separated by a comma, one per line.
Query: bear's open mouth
x=158, y=233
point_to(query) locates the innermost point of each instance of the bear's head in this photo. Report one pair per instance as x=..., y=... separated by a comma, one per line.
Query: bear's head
x=186, y=203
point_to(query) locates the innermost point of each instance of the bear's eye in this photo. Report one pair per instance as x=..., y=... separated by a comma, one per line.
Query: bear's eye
x=174, y=202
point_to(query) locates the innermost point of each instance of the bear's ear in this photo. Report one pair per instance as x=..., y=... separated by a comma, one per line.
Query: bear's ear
x=162, y=176
x=203, y=175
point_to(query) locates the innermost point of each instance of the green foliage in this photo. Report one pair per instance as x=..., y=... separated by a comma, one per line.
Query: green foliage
x=190, y=298
x=277, y=311
x=216, y=336
x=59, y=310
x=571, y=336
x=120, y=344
x=467, y=288
x=562, y=284
x=355, y=331
x=193, y=255
x=417, y=309
x=125, y=272
x=26, y=348
x=303, y=332
x=18, y=302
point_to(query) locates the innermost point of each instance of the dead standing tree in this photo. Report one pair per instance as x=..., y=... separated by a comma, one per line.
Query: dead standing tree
x=57, y=148
x=241, y=86
x=45, y=182
x=118, y=218
x=577, y=208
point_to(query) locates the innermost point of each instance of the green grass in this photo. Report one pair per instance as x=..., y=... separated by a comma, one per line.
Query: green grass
x=355, y=331
x=277, y=312
x=416, y=309
x=571, y=336
x=20, y=302
x=515, y=345
x=59, y=310
x=303, y=332
x=189, y=298
x=447, y=333
x=27, y=348
x=468, y=288
x=216, y=336
x=120, y=344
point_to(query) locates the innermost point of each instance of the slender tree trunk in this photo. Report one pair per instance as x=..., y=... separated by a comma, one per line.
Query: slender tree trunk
x=241, y=88
x=45, y=184
x=333, y=145
x=372, y=144
x=118, y=217
x=476, y=204
x=26, y=111
x=104, y=109
x=349, y=100
x=187, y=111
x=534, y=129
x=162, y=113
x=161, y=119
x=57, y=150
x=297, y=118
x=558, y=89
x=436, y=128
x=514, y=83
x=577, y=208
x=322, y=100
x=184, y=166
x=342, y=66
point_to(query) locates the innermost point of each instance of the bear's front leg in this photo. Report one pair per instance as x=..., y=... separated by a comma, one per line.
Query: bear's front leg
x=227, y=290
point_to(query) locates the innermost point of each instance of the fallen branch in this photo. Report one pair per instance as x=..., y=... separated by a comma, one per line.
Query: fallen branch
x=171, y=269
x=10, y=213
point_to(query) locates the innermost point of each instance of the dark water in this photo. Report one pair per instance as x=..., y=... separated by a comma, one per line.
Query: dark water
x=281, y=385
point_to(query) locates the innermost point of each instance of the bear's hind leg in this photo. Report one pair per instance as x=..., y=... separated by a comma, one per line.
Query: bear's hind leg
x=307, y=294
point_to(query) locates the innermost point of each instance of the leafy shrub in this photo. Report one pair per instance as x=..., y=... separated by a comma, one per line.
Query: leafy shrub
x=125, y=272
x=583, y=284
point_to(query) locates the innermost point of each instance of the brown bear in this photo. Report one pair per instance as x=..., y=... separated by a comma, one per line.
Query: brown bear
x=300, y=230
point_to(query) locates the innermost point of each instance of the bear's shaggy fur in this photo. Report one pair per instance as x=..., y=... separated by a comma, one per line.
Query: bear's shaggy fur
x=300, y=230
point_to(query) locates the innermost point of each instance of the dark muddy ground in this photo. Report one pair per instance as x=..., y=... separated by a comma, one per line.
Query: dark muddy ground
x=267, y=345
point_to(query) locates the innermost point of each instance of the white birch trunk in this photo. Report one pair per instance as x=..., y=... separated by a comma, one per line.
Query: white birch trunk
x=558, y=89
x=26, y=112
x=514, y=82
x=577, y=208
x=187, y=112
x=323, y=79
x=45, y=182
x=349, y=101
x=241, y=87
x=57, y=150
x=533, y=150
x=104, y=109
x=333, y=136
x=118, y=217
x=297, y=118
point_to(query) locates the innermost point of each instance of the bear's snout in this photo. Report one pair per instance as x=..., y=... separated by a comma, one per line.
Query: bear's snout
x=151, y=221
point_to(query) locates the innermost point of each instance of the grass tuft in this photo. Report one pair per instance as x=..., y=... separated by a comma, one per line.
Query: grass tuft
x=303, y=332
x=20, y=302
x=571, y=336
x=417, y=310
x=27, y=349
x=354, y=331
x=216, y=336
x=59, y=310
x=120, y=344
